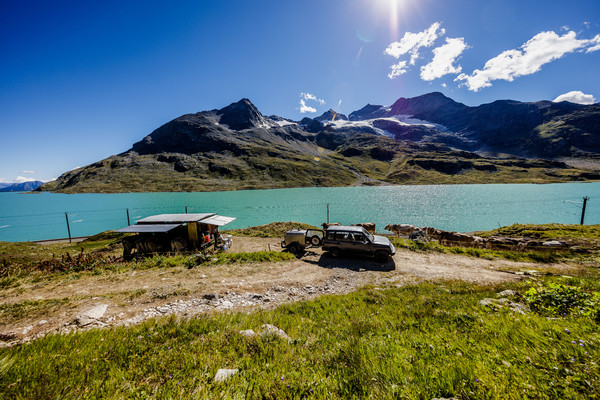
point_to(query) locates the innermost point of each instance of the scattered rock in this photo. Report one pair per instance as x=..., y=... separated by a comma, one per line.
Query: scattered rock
x=42, y=322
x=8, y=336
x=27, y=329
x=272, y=330
x=487, y=302
x=507, y=293
x=554, y=243
x=135, y=320
x=211, y=296
x=247, y=333
x=92, y=315
x=224, y=373
x=518, y=307
x=226, y=304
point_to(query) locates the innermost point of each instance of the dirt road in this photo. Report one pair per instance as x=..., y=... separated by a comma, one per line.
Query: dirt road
x=133, y=296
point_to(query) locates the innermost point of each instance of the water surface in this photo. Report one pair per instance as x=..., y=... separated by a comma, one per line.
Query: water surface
x=464, y=208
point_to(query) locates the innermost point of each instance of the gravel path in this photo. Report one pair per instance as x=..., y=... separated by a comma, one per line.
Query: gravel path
x=134, y=296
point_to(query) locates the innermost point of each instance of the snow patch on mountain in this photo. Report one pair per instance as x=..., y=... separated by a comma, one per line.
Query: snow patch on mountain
x=283, y=123
x=403, y=120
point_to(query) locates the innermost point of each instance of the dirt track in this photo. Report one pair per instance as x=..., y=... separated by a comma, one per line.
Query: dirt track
x=134, y=296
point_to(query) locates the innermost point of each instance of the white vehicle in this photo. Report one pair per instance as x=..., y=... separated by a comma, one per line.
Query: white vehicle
x=299, y=239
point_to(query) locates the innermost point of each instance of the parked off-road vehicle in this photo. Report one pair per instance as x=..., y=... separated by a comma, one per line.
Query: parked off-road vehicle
x=299, y=239
x=357, y=240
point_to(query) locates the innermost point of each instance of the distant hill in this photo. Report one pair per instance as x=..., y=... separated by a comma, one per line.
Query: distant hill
x=428, y=139
x=20, y=187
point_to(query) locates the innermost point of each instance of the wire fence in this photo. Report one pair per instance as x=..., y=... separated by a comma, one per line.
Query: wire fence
x=473, y=216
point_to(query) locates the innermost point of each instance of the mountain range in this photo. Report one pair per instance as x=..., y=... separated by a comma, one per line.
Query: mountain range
x=422, y=140
x=20, y=187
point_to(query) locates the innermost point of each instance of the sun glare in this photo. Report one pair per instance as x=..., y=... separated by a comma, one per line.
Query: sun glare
x=394, y=9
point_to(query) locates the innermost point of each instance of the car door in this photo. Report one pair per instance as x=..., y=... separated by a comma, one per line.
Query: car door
x=361, y=244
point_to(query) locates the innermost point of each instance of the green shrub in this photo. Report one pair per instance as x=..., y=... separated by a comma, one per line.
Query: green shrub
x=557, y=299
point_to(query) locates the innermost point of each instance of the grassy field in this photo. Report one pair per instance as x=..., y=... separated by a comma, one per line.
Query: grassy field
x=420, y=341
x=417, y=342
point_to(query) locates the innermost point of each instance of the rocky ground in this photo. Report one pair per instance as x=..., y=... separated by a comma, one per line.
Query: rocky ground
x=85, y=301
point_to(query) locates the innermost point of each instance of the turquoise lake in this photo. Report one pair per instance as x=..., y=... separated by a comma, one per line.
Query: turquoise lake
x=463, y=208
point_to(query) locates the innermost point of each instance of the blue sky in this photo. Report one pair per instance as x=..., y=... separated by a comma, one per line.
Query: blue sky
x=80, y=81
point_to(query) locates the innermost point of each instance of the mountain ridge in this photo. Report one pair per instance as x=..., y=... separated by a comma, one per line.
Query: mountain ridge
x=425, y=139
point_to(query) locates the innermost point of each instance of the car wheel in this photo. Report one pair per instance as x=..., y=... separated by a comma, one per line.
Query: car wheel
x=315, y=240
x=334, y=252
x=382, y=256
x=294, y=248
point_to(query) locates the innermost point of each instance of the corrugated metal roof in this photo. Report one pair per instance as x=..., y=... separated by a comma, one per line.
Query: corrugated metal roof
x=218, y=220
x=148, y=228
x=174, y=218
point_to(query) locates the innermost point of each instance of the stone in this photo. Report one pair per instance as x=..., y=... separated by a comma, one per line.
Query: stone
x=554, y=243
x=223, y=373
x=247, y=333
x=507, y=293
x=488, y=302
x=272, y=330
x=518, y=307
x=226, y=304
x=42, y=322
x=211, y=296
x=92, y=315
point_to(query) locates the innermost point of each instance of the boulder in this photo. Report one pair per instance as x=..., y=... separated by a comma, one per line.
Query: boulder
x=247, y=333
x=272, y=330
x=92, y=315
x=224, y=373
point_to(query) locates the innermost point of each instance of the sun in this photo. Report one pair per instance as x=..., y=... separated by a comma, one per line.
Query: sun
x=393, y=9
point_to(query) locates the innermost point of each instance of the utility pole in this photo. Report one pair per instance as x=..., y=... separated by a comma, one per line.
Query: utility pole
x=68, y=228
x=128, y=223
x=585, y=199
x=327, y=212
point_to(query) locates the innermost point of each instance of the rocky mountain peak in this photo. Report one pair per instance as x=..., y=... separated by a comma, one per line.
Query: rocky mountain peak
x=369, y=111
x=241, y=115
x=331, y=116
x=423, y=104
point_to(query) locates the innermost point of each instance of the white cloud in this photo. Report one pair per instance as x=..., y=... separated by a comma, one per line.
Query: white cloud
x=309, y=96
x=412, y=42
x=306, y=109
x=576, y=96
x=397, y=69
x=443, y=59
x=28, y=172
x=528, y=59
x=339, y=103
x=595, y=44
x=21, y=179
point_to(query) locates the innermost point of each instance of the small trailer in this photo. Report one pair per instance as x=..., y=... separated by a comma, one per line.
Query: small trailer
x=173, y=233
x=296, y=240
